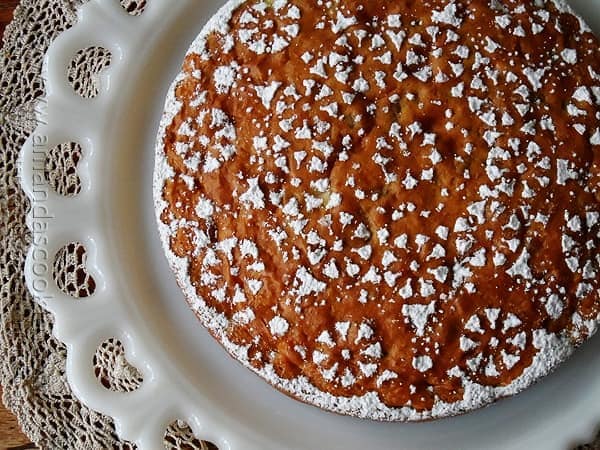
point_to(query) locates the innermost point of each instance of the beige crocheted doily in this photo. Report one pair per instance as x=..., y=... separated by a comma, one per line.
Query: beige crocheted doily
x=32, y=362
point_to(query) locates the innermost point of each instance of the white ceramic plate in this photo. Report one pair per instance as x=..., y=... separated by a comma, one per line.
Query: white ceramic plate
x=186, y=373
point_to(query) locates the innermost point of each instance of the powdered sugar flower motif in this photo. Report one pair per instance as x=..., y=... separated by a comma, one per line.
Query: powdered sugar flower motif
x=350, y=352
x=257, y=24
x=215, y=134
x=494, y=343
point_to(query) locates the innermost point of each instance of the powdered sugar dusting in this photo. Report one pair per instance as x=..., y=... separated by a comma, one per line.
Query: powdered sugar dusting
x=396, y=259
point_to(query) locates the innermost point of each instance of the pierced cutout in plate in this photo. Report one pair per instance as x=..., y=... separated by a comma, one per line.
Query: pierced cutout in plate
x=180, y=436
x=70, y=273
x=61, y=169
x=113, y=370
x=133, y=7
x=84, y=70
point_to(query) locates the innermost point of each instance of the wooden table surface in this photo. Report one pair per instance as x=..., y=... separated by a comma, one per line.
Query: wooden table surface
x=11, y=437
x=6, y=12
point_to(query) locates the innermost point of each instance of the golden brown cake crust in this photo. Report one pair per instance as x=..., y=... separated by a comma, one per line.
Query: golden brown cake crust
x=388, y=208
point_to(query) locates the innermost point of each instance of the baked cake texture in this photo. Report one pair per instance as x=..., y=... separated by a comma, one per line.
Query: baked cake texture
x=388, y=209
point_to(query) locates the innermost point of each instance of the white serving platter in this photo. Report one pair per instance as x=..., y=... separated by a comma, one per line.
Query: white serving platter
x=187, y=375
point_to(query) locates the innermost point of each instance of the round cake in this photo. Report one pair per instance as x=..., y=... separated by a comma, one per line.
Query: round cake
x=388, y=209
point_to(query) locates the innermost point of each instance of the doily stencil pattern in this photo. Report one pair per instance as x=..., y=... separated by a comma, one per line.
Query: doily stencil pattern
x=32, y=361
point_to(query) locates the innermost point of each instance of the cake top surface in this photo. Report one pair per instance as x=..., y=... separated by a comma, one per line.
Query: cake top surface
x=388, y=209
